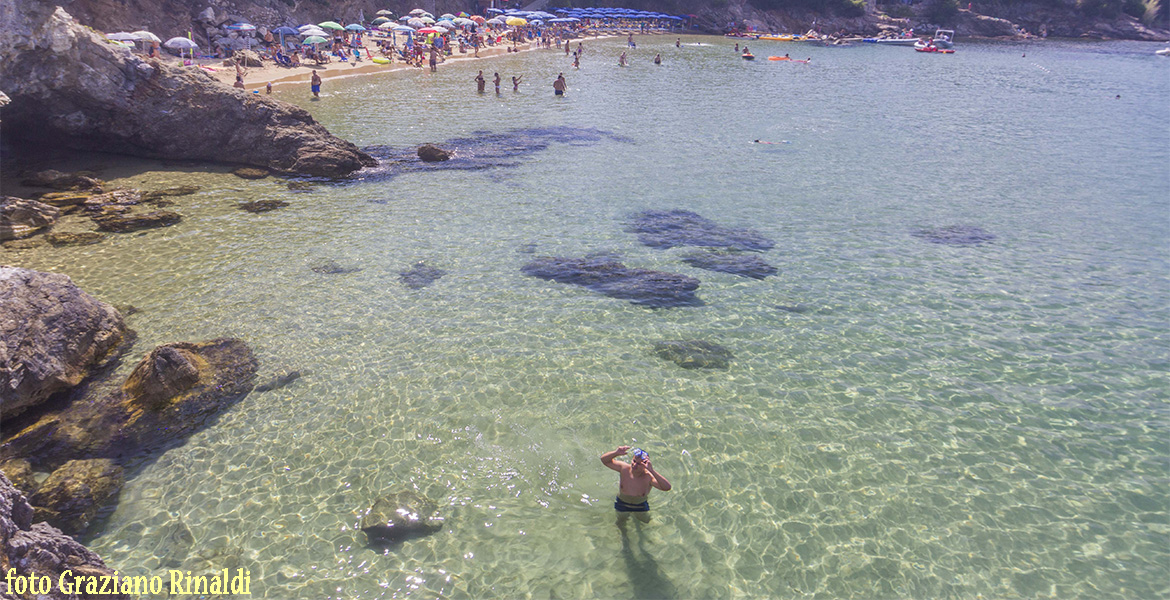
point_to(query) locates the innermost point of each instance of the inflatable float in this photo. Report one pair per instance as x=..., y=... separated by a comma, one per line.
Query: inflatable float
x=935, y=49
x=381, y=60
x=749, y=56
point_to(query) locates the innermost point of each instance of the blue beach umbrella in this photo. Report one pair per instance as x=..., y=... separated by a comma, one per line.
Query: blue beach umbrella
x=354, y=27
x=283, y=31
x=241, y=27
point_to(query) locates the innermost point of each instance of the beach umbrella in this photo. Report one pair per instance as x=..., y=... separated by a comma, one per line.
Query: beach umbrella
x=432, y=30
x=314, y=31
x=122, y=36
x=385, y=13
x=180, y=43
x=241, y=27
x=464, y=15
x=478, y=19
x=418, y=11
x=464, y=22
x=146, y=36
x=515, y=21
x=283, y=31
x=447, y=16
x=309, y=26
x=379, y=21
x=427, y=20
x=417, y=23
x=401, y=29
x=354, y=27
x=494, y=11
x=314, y=39
x=121, y=44
x=330, y=25
x=496, y=21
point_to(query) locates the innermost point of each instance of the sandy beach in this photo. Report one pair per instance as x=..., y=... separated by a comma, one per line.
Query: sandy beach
x=256, y=78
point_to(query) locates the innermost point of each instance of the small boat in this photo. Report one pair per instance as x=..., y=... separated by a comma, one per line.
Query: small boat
x=934, y=49
x=778, y=58
x=943, y=38
x=749, y=56
x=1163, y=52
x=910, y=41
x=784, y=37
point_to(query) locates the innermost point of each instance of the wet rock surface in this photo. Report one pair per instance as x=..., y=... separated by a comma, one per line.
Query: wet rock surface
x=432, y=153
x=655, y=289
x=175, y=390
x=259, y=206
x=400, y=516
x=181, y=190
x=694, y=354
x=482, y=150
x=20, y=218
x=670, y=228
x=954, y=235
x=74, y=493
x=53, y=335
x=744, y=265
x=250, y=173
x=19, y=471
x=59, y=180
x=420, y=276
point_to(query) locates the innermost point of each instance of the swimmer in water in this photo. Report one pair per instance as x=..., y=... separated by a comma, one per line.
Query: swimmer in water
x=637, y=478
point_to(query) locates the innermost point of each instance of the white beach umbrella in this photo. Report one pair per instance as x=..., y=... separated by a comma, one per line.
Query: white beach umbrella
x=447, y=16
x=309, y=26
x=146, y=36
x=316, y=32
x=418, y=11
x=417, y=23
x=180, y=43
x=123, y=36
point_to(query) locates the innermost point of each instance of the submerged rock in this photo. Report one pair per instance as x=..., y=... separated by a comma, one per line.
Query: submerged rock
x=69, y=87
x=278, y=381
x=259, y=206
x=126, y=223
x=174, y=544
x=669, y=228
x=482, y=150
x=21, y=218
x=420, y=276
x=745, y=265
x=181, y=190
x=400, y=516
x=170, y=394
x=74, y=493
x=330, y=267
x=954, y=235
x=644, y=287
x=300, y=186
x=61, y=181
x=19, y=472
x=65, y=199
x=250, y=173
x=52, y=336
x=74, y=238
x=694, y=354
x=432, y=153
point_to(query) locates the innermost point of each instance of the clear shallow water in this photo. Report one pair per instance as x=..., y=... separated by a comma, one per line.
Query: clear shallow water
x=936, y=421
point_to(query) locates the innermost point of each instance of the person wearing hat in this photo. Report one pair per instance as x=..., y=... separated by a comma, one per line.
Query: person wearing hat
x=637, y=477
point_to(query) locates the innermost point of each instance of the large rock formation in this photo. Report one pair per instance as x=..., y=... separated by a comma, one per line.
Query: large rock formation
x=170, y=394
x=52, y=335
x=41, y=549
x=71, y=87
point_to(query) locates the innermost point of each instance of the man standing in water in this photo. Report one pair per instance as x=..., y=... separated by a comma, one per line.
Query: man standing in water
x=315, y=83
x=559, y=87
x=634, y=486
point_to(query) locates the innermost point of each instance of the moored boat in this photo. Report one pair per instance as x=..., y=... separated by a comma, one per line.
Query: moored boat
x=909, y=41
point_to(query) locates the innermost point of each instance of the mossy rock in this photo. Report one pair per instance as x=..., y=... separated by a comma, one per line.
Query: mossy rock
x=260, y=206
x=74, y=238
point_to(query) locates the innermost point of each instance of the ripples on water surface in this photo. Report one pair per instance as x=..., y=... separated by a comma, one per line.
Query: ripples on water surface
x=902, y=418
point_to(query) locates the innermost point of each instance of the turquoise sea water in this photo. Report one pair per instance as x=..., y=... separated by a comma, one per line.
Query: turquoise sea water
x=901, y=419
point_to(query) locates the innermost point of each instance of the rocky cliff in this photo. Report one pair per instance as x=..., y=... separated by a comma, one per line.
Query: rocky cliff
x=68, y=86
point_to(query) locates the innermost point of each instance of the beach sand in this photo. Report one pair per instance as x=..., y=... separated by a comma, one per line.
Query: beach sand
x=256, y=78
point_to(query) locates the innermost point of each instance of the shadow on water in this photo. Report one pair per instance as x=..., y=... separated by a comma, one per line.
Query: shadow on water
x=646, y=577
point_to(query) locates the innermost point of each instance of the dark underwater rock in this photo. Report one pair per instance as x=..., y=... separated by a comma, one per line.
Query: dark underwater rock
x=400, y=516
x=669, y=228
x=180, y=190
x=644, y=287
x=279, y=381
x=250, y=173
x=126, y=223
x=744, y=265
x=694, y=354
x=61, y=181
x=300, y=186
x=420, y=276
x=330, y=267
x=954, y=235
x=260, y=206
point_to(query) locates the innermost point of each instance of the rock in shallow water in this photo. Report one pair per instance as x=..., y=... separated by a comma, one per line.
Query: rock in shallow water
x=74, y=493
x=432, y=153
x=420, y=276
x=400, y=516
x=644, y=287
x=250, y=173
x=20, y=218
x=72, y=238
x=744, y=265
x=134, y=222
x=669, y=228
x=260, y=206
x=330, y=267
x=694, y=354
x=954, y=235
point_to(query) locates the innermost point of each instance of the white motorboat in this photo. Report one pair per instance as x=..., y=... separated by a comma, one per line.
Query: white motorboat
x=943, y=38
x=1163, y=52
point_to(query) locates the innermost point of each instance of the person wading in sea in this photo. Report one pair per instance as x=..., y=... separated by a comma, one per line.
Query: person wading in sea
x=637, y=478
x=559, y=86
x=315, y=85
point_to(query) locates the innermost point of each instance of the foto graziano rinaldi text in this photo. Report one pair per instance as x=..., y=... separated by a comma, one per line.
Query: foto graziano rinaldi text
x=177, y=583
